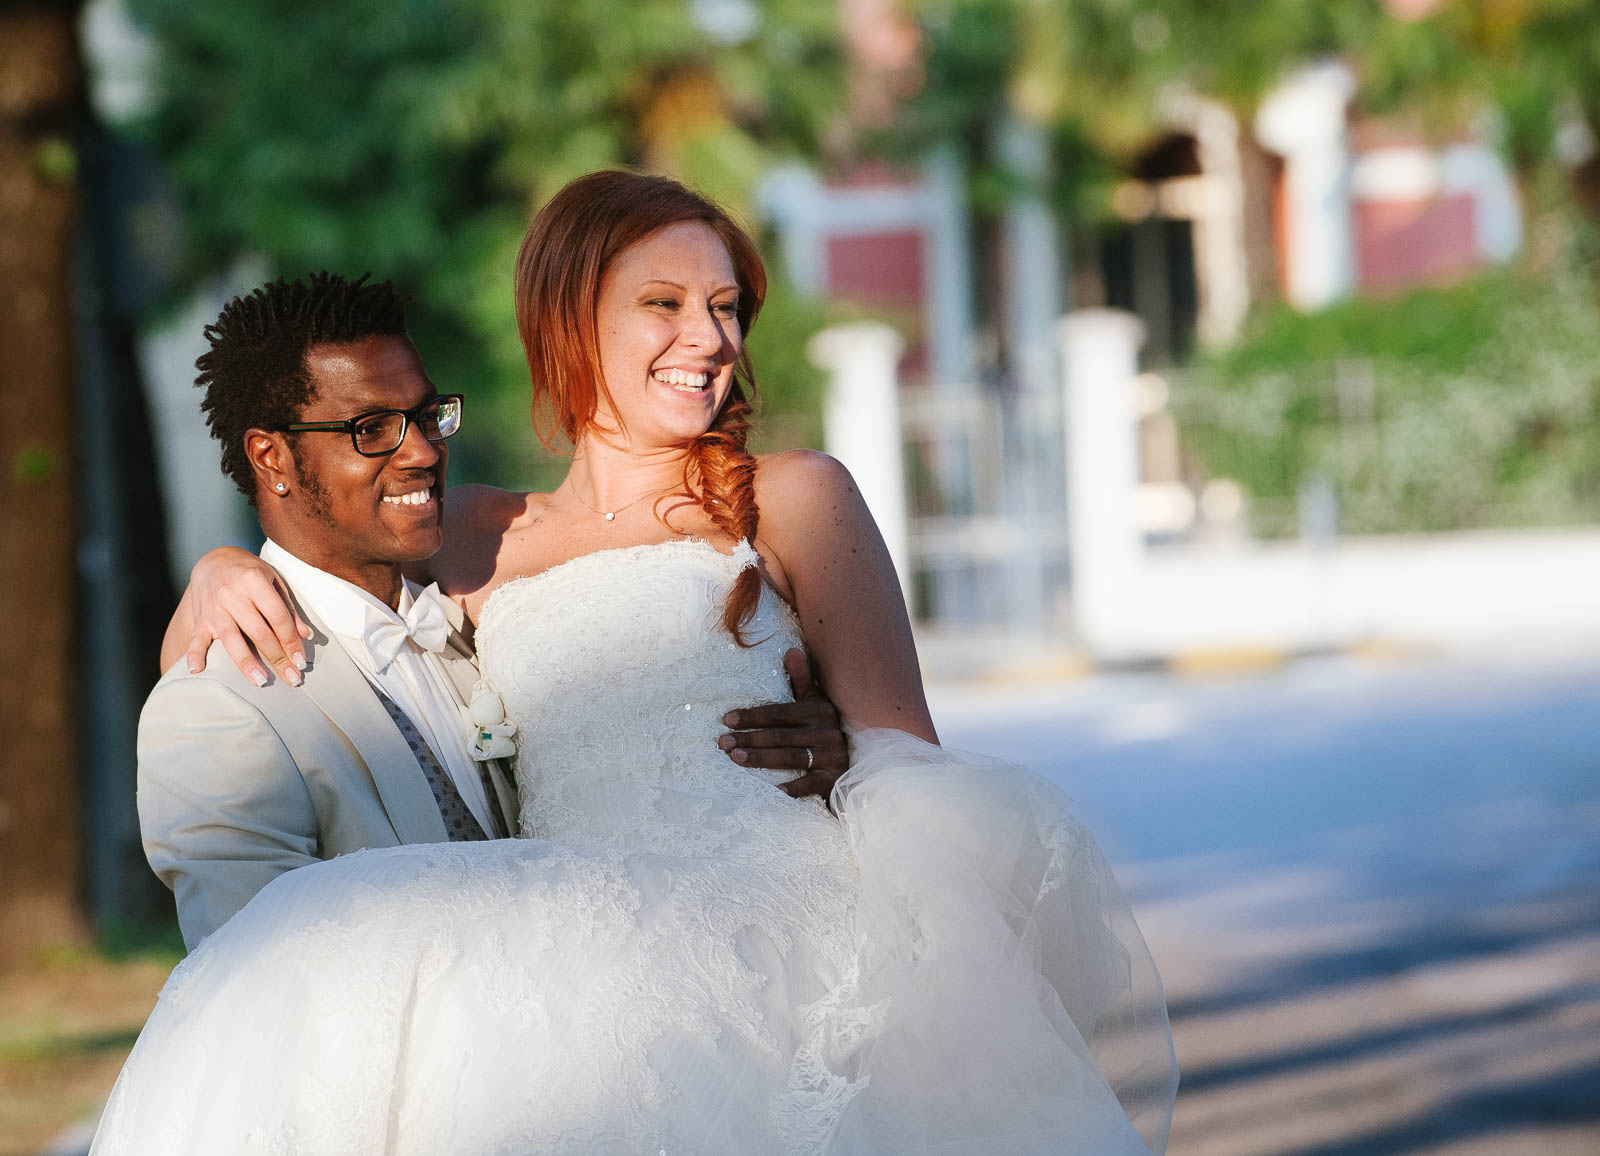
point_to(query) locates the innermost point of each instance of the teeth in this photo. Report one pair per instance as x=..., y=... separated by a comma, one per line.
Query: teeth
x=682, y=379
x=415, y=498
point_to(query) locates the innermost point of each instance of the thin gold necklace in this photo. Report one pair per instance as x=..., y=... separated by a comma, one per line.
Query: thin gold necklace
x=611, y=515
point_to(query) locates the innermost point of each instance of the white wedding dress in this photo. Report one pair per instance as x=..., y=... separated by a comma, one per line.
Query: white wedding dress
x=679, y=957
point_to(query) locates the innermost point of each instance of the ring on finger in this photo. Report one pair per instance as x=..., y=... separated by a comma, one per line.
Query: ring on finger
x=811, y=759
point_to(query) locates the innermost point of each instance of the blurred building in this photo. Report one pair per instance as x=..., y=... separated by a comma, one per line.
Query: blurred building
x=1308, y=203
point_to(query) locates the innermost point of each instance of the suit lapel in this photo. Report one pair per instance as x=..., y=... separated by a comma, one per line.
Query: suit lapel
x=343, y=693
x=461, y=667
x=461, y=663
x=458, y=656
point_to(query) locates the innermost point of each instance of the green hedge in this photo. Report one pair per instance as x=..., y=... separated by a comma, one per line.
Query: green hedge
x=1442, y=409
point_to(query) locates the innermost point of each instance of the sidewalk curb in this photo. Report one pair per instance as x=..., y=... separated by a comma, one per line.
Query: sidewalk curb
x=1067, y=663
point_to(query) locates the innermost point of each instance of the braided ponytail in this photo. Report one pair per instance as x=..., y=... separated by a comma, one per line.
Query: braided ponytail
x=726, y=473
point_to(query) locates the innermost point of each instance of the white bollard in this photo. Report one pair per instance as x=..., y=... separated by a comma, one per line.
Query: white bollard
x=1100, y=360
x=861, y=425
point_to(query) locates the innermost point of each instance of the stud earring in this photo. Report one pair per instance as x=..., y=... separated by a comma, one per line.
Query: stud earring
x=280, y=487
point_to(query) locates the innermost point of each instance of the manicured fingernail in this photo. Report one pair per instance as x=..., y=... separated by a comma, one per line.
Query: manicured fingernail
x=194, y=668
x=298, y=659
x=725, y=742
x=741, y=756
x=292, y=676
x=305, y=632
x=731, y=719
x=259, y=677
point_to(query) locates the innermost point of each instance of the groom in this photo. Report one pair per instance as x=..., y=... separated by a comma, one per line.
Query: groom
x=330, y=426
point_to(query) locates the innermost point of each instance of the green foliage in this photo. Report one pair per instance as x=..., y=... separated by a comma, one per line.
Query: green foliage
x=34, y=464
x=414, y=137
x=788, y=385
x=56, y=161
x=1095, y=72
x=971, y=49
x=1477, y=405
x=124, y=940
x=1536, y=62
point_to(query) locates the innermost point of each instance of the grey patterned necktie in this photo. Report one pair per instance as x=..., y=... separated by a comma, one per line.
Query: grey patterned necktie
x=459, y=822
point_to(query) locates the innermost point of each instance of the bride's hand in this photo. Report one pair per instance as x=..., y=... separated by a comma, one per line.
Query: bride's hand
x=804, y=735
x=236, y=598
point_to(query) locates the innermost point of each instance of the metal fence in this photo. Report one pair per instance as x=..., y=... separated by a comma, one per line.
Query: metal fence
x=986, y=489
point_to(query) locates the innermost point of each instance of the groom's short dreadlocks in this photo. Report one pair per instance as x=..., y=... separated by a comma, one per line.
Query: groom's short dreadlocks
x=255, y=373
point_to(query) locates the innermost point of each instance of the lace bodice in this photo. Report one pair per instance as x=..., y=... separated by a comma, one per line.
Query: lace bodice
x=617, y=671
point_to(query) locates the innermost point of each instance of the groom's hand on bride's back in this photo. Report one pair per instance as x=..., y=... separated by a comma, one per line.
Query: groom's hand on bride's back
x=804, y=735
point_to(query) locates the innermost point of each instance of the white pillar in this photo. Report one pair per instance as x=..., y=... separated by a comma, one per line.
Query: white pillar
x=1304, y=120
x=809, y=215
x=947, y=310
x=861, y=425
x=1030, y=306
x=1219, y=229
x=793, y=197
x=1030, y=299
x=1100, y=360
x=1478, y=171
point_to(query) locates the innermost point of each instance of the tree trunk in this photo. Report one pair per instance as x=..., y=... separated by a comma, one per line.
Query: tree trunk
x=1542, y=247
x=1259, y=171
x=41, y=98
x=1586, y=192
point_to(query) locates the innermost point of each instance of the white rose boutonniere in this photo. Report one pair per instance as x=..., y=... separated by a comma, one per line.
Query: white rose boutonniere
x=491, y=733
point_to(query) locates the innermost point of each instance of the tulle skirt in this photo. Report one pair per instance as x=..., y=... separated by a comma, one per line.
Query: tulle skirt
x=979, y=987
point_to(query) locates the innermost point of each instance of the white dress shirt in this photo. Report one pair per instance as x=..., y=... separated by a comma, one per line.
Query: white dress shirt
x=415, y=679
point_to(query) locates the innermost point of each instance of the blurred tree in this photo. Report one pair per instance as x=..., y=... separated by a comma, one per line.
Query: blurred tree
x=1535, y=63
x=41, y=103
x=415, y=139
x=1095, y=73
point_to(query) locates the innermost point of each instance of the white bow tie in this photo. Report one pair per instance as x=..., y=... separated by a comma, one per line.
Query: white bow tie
x=425, y=624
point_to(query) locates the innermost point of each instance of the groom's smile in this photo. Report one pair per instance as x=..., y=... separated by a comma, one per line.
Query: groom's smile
x=360, y=513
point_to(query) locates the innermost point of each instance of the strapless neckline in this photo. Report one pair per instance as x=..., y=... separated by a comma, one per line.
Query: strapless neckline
x=743, y=552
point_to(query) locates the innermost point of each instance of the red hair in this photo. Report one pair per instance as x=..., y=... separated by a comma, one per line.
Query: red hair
x=565, y=253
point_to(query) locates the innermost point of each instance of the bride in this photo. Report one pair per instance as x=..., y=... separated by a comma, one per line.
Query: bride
x=676, y=957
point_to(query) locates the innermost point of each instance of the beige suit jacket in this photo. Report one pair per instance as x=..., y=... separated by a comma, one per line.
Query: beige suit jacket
x=239, y=784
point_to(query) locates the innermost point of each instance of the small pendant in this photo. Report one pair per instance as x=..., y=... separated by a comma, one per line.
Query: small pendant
x=611, y=516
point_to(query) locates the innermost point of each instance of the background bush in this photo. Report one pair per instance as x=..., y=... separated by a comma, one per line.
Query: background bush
x=1471, y=406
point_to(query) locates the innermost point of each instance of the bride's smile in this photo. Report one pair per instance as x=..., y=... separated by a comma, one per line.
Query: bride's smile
x=669, y=338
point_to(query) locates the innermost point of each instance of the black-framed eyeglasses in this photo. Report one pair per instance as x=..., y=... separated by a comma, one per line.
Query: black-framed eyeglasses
x=382, y=430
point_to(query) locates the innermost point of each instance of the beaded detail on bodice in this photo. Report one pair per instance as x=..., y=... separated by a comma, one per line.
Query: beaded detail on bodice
x=617, y=670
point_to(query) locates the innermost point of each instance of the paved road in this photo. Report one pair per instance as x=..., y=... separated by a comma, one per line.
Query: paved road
x=1373, y=890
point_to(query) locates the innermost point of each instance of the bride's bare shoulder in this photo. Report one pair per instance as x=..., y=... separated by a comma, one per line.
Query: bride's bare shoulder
x=811, y=515
x=797, y=489
x=472, y=502
x=477, y=519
